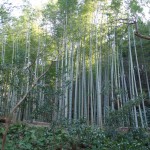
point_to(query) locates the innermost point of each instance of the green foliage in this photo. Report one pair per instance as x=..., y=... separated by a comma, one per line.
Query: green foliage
x=5, y=9
x=115, y=5
x=67, y=5
x=117, y=118
x=135, y=7
x=75, y=135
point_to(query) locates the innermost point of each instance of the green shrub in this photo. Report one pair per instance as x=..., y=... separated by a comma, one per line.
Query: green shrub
x=77, y=135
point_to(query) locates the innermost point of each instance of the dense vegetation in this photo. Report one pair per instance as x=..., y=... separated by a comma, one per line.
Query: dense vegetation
x=75, y=136
x=72, y=60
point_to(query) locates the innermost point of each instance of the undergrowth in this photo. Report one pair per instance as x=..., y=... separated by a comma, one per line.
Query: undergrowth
x=74, y=136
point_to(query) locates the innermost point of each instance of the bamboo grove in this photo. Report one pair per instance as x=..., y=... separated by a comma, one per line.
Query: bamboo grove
x=83, y=61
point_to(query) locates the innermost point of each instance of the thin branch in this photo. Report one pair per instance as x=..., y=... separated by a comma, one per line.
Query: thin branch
x=138, y=34
x=24, y=97
x=142, y=36
x=127, y=21
x=8, y=121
